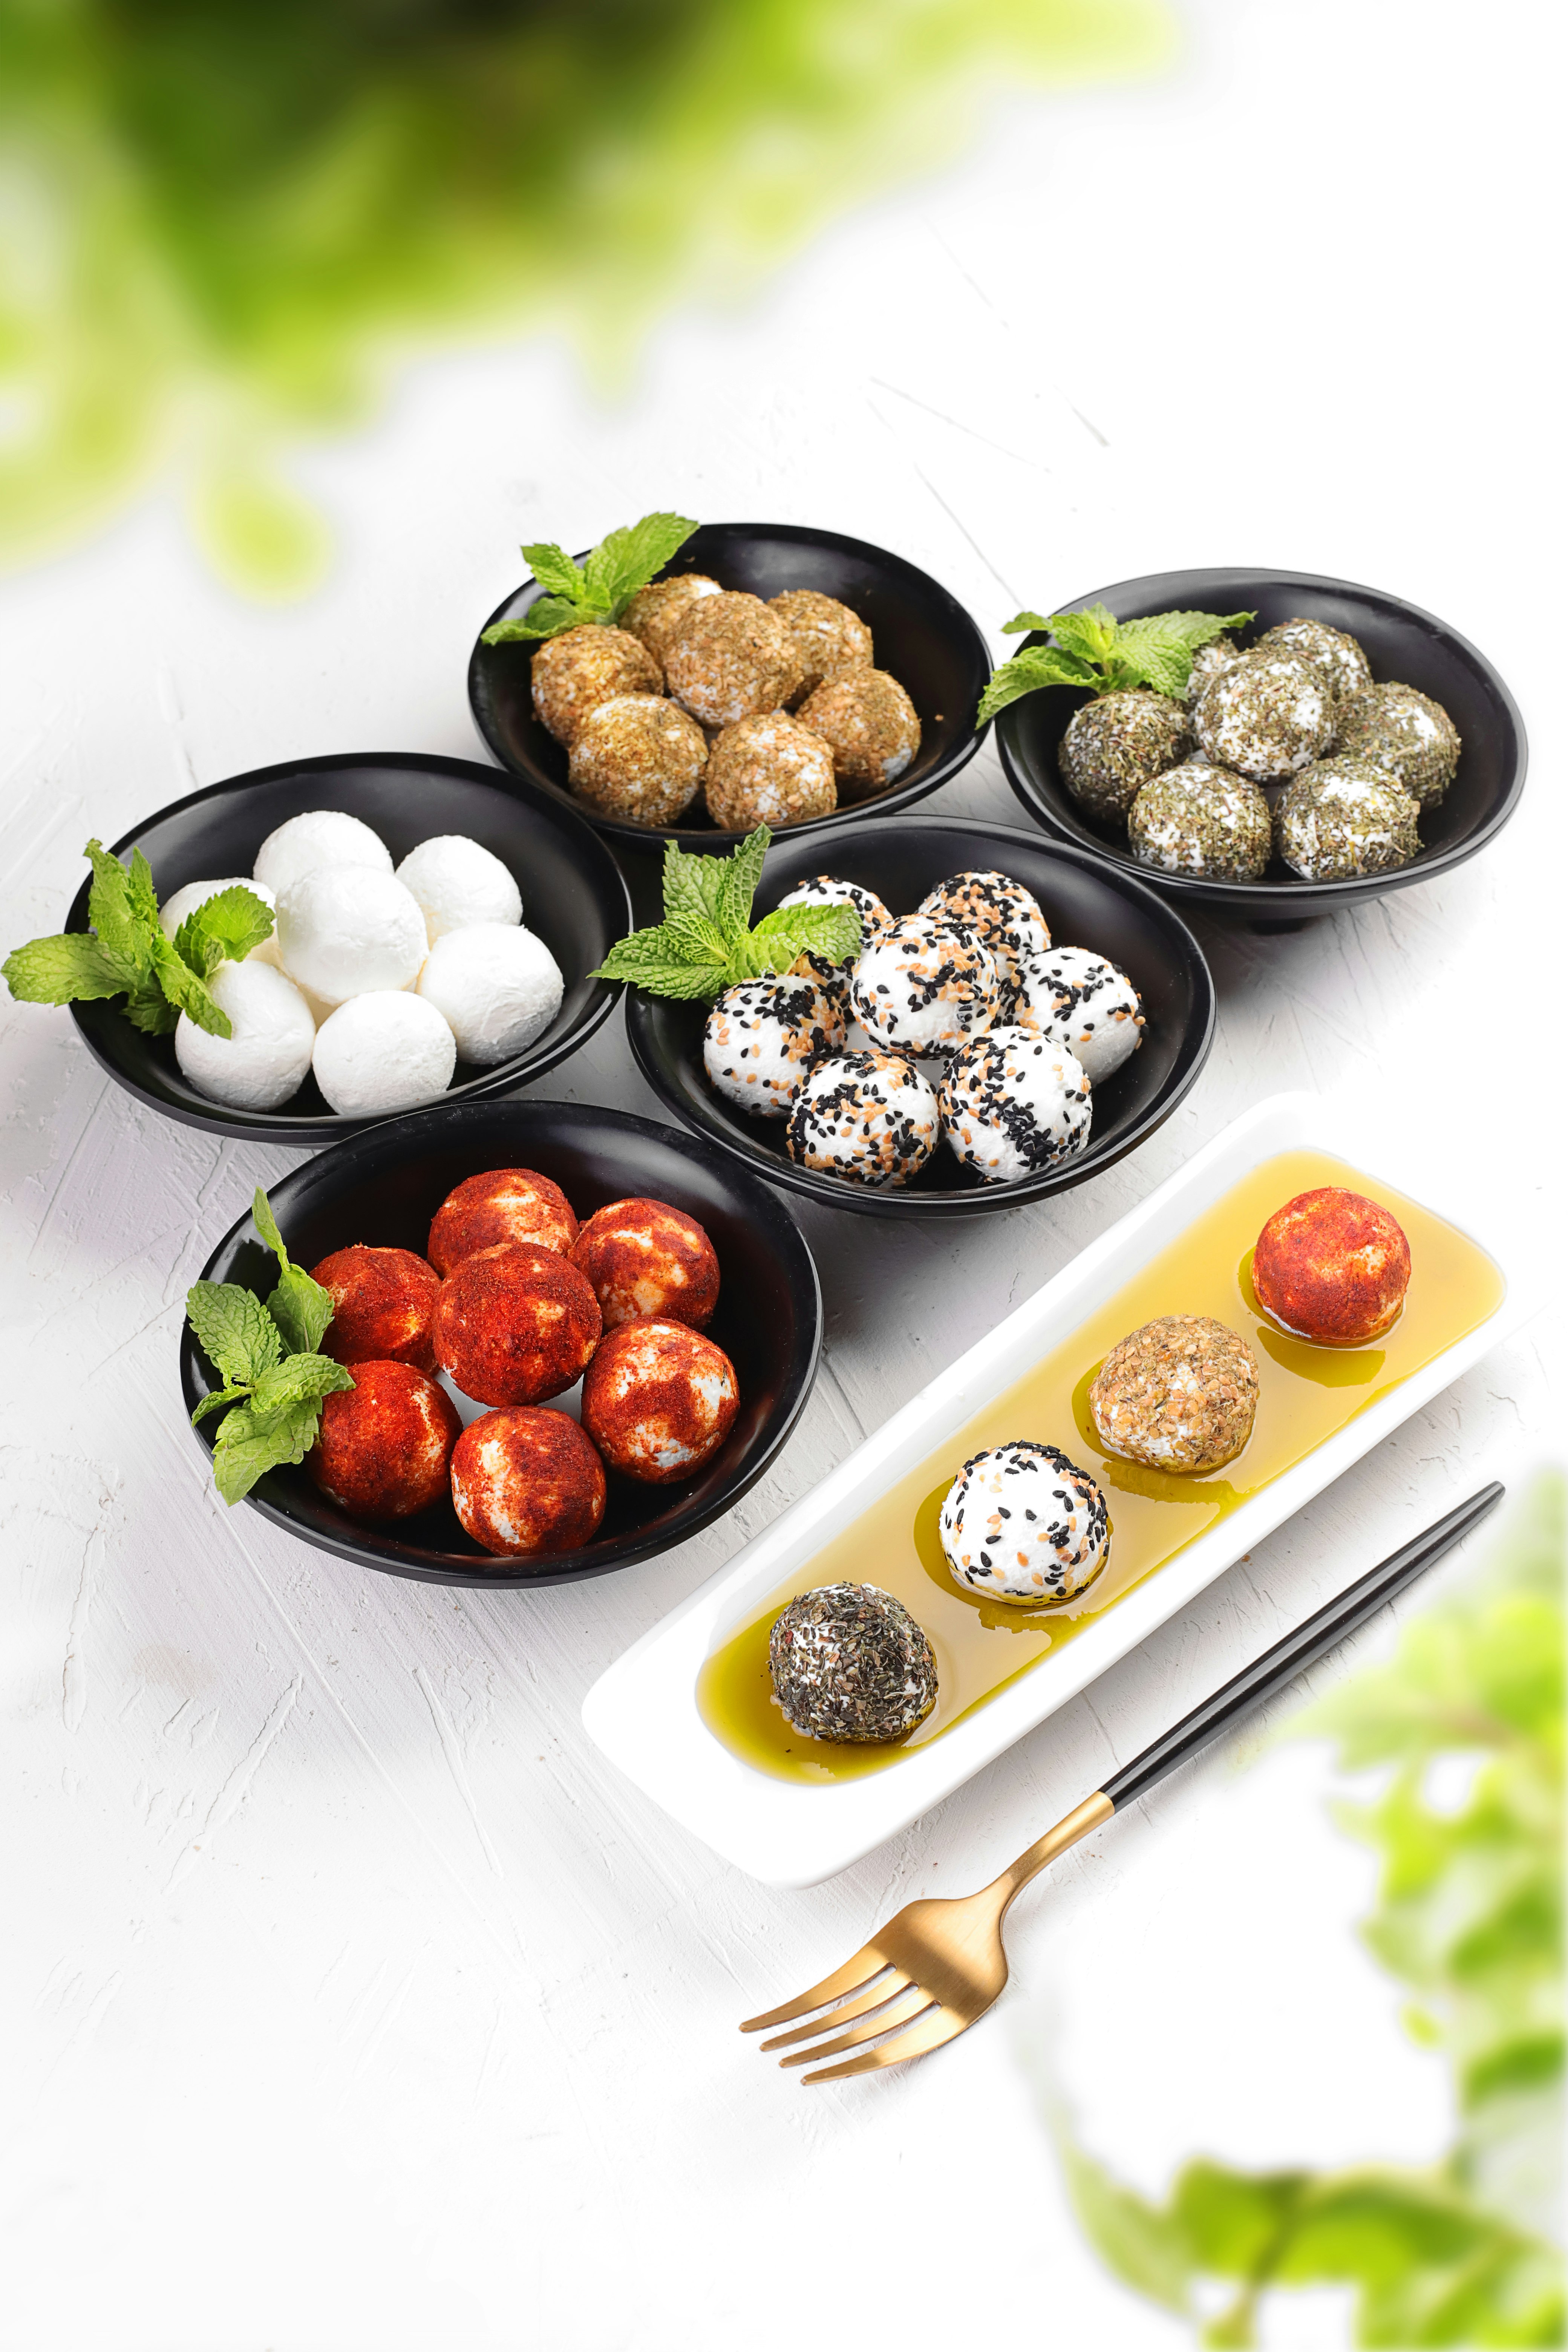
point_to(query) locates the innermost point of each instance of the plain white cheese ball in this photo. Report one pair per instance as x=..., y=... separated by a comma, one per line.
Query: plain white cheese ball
x=458, y=882
x=172, y=911
x=383, y=1051
x=265, y=1060
x=345, y=931
x=498, y=986
x=318, y=837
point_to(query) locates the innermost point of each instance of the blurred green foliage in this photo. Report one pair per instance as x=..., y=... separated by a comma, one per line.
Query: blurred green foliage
x=221, y=224
x=1469, y=1917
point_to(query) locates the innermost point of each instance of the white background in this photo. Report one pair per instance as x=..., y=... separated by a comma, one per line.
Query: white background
x=349, y=2000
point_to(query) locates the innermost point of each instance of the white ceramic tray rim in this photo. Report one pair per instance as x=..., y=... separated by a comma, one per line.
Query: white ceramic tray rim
x=643, y=1712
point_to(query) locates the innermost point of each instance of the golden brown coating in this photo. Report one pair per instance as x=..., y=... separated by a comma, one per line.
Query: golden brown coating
x=659, y=1399
x=576, y=671
x=643, y=1257
x=656, y=612
x=526, y=1481
x=869, y=724
x=638, y=756
x=503, y=1204
x=1178, y=1394
x=730, y=657
x=771, y=771
x=829, y=637
x=1333, y=1267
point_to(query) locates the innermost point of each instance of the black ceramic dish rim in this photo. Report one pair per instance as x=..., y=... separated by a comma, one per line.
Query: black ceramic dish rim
x=566, y=1567
x=977, y=1200
x=1294, y=899
x=332, y=1128
x=712, y=840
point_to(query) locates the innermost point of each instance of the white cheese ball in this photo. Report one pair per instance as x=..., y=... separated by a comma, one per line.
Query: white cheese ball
x=456, y=882
x=923, y=987
x=1084, y=1003
x=1022, y=1524
x=383, y=1051
x=172, y=911
x=266, y=1058
x=1013, y=1102
x=497, y=985
x=318, y=837
x=346, y=930
x=762, y=1036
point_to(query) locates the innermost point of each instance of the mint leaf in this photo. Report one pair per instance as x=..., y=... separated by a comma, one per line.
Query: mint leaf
x=139, y=891
x=626, y=560
x=250, y=1444
x=148, y=1009
x=1035, y=666
x=72, y=969
x=1158, y=650
x=1092, y=636
x=110, y=912
x=235, y=1330
x=266, y=1225
x=218, y=1397
x=298, y=1378
x=301, y=1309
x=692, y=885
x=656, y=960
x=739, y=876
x=834, y=932
x=554, y=570
x=1020, y=622
x=547, y=616
x=233, y=922
x=185, y=990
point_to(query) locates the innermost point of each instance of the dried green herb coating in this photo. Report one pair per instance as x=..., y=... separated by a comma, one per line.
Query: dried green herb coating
x=1408, y=735
x=1207, y=662
x=1333, y=652
x=1112, y=746
x=1343, y=816
x=849, y=1663
x=1268, y=715
x=1200, y=819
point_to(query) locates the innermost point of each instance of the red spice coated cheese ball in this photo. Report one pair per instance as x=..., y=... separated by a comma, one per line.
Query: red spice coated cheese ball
x=643, y=1257
x=658, y=1399
x=383, y=1306
x=505, y=1205
x=384, y=1445
x=525, y=1481
x=1331, y=1266
x=515, y=1324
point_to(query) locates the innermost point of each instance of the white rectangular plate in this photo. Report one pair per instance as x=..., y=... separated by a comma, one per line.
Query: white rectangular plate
x=643, y=1711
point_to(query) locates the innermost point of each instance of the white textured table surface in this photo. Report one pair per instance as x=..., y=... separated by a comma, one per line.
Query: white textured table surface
x=350, y=2000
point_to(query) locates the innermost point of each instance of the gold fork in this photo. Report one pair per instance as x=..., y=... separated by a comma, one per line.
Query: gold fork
x=938, y=1966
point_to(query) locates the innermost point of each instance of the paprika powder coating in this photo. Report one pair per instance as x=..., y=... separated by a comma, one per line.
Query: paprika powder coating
x=643, y=1257
x=508, y=1204
x=383, y=1306
x=1331, y=1266
x=525, y=1481
x=658, y=1399
x=385, y=1446
x=515, y=1324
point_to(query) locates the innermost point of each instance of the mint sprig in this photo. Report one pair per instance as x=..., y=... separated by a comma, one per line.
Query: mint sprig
x=1095, y=650
x=706, y=941
x=126, y=954
x=598, y=589
x=274, y=1379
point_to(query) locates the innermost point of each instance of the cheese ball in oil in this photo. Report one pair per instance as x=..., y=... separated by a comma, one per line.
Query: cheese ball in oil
x=504, y=1204
x=384, y=1306
x=637, y=756
x=729, y=657
x=576, y=671
x=659, y=1399
x=515, y=1325
x=385, y=1446
x=527, y=1482
x=1178, y=1394
x=1332, y=1267
x=644, y=1257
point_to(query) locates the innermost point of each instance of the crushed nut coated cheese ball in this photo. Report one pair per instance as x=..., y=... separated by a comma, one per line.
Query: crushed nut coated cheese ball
x=924, y=987
x=576, y=671
x=849, y=1663
x=656, y=612
x=761, y=1037
x=769, y=770
x=638, y=756
x=1267, y=715
x=729, y=657
x=871, y=1119
x=1178, y=1394
x=1022, y=1524
x=871, y=726
x=1113, y=744
x=1013, y=1102
x=1345, y=816
x=1200, y=819
x=829, y=638
x=1407, y=734
x=1336, y=655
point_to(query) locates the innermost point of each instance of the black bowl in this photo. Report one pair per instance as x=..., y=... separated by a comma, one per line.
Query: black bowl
x=1402, y=642
x=572, y=896
x=385, y=1187
x=922, y=635
x=1084, y=906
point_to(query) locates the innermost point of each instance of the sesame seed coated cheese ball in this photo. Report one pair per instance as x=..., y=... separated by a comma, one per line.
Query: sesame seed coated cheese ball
x=195, y=896
x=657, y=610
x=1408, y=735
x=573, y=673
x=848, y=1663
x=729, y=657
x=871, y=726
x=1344, y=816
x=872, y=1119
x=1022, y=1524
x=1200, y=819
x=266, y=1058
x=1087, y=1005
x=1178, y=1394
x=496, y=985
x=1267, y=716
x=924, y=987
x=1001, y=914
x=771, y=771
x=455, y=881
x=638, y=756
x=1112, y=745
x=1013, y=1102
x=761, y=1037
x=1337, y=655
x=828, y=636
x=828, y=890
x=318, y=837
x=383, y=1052
x=345, y=930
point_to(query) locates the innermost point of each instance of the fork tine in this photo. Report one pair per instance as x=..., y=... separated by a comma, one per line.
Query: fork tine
x=909, y=2004
x=930, y=2031
x=882, y=1989
x=857, y=1971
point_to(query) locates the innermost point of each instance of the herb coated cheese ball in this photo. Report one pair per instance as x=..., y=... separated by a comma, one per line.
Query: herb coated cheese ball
x=1022, y=1524
x=1200, y=819
x=729, y=657
x=384, y=1306
x=1345, y=816
x=576, y=671
x=1006, y=918
x=1207, y=662
x=769, y=771
x=1333, y=1267
x=1407, y=735
x=849, y=1663
x=657, y=610
x=659, y=1399
x=504, y=1204
x=1267, y=716
x=1086, y=1004
x=829, y=638
x=1179, y=1394
x=638, y=756
x=515, y=1324
x=869, y=724
x=526, y=1481
x=761, y=1037
x=1338, y=656
x=924, y=987
x=1014, y=1102
x=644, y=1257
x=1112, y=745
x=385, y=1446
x=871, y=1119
